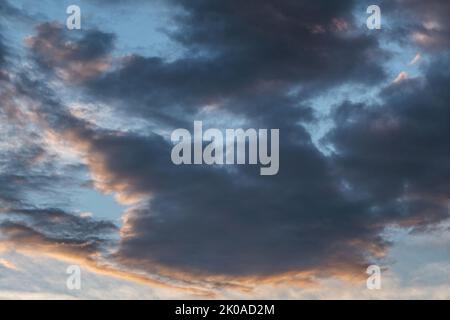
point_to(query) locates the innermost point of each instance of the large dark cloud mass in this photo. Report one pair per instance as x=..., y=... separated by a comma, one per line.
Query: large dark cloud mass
x=397, y=154
x=259, y=61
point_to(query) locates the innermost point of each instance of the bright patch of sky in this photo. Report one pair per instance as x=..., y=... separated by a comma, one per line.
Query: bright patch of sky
x=420, y=258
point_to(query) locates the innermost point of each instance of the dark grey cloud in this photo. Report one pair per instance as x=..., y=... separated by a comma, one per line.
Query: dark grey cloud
x=423, y=22
x=205, y=219
x=25, y=165
x=7, y=10
x=434, y=33
x=23, y=220
x=55, y=227
x=58, y=222
x=391, y=168
x=24, y=236
x=28, y=172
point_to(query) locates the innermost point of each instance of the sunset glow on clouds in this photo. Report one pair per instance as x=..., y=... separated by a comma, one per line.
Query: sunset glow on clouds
x=86, y=177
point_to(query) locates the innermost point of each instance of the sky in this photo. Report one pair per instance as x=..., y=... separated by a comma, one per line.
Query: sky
x=86, y=176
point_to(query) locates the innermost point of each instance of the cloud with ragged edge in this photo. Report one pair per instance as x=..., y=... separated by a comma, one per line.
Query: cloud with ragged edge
x=321, y=216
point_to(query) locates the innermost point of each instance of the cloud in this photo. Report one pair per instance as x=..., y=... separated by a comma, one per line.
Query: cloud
x=72, y=59
x=238, y=52
x=55, y=230
x=55, y=221
x=425, y=23
x=273, y=221
x=271, y=235
x=434, y=31
x=395, y=154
